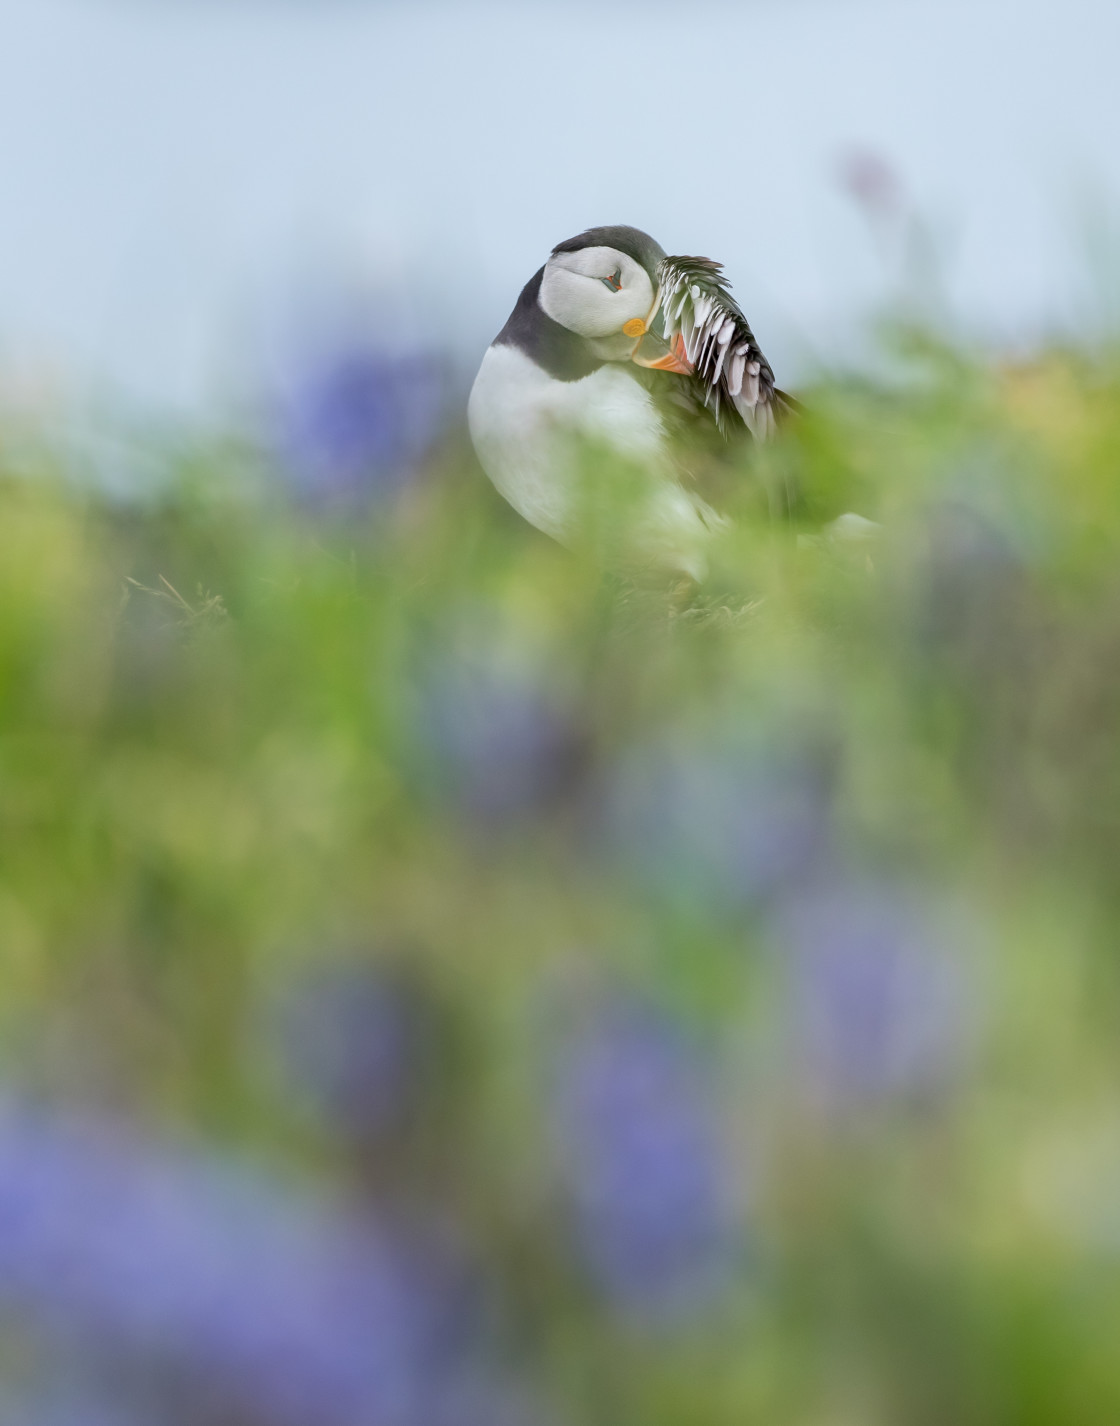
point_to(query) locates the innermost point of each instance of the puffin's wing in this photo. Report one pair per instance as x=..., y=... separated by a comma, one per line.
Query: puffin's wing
x=697, y=307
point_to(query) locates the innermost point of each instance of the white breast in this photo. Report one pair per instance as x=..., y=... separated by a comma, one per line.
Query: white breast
x=526, y=425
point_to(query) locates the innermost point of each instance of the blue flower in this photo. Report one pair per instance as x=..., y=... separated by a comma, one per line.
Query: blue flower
x=969, y=583
x=357, y=424
x=718, y=818
x=879, y=1004
x=54, y=1409
x=353, y=1039
x=498, y=732
x=264, y=1295
x=643, y=1163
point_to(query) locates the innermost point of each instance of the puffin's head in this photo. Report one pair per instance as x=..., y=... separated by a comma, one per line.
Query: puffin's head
x=603, y=286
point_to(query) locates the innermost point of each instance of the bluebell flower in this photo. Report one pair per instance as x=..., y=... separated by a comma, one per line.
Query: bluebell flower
x=969, y=582
x=52, y=1405
x=717, y=818
x=353, y=1039
x=356, y=425
x=304, y=1314
x=873, y=183
x=880, y=1007
x=644, y=1164
x=498, y=733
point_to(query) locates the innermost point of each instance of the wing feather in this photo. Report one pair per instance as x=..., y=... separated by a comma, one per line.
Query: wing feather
x=736, y=380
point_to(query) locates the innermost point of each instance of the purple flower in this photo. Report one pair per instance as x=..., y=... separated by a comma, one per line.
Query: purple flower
x=643, y=1163
x=717, y=819
x=353, y=1039
x=498, y=733
x=264, y=1295
x=969, y=583
x=52, y=1409
x=357, y=424
x=872, y=182
x=879, y=1000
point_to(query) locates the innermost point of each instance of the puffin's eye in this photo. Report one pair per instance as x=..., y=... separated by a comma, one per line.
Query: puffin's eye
x=614, y=282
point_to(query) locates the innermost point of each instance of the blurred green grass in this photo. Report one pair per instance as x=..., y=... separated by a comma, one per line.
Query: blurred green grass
x=241, y=738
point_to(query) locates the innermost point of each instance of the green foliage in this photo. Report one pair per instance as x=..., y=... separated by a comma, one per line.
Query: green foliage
x=241, y=741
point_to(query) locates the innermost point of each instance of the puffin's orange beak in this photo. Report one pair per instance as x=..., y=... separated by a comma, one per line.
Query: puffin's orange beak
x=651, y=349
x=655, y=352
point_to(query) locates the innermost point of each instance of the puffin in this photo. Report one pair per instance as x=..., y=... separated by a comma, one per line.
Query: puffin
x=615, y=343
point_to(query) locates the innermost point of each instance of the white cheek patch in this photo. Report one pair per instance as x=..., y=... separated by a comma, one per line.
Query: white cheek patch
x=573, y=293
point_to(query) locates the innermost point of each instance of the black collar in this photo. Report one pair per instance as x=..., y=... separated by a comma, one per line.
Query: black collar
x=530, y=329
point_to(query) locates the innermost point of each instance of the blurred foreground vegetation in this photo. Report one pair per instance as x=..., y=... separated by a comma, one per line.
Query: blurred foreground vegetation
x=446, y=982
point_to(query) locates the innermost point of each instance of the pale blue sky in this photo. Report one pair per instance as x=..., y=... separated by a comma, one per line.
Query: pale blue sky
x=172, y=170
